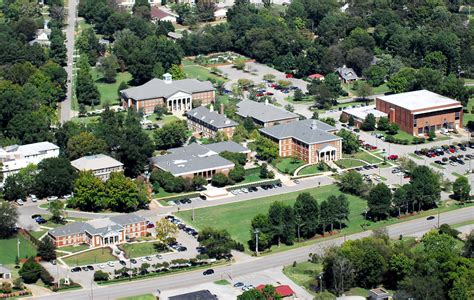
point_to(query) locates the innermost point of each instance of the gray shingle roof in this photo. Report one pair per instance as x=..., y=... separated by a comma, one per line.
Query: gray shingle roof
x=307, y=131
x=68, y=229
x=157, y=88
x=263, y=112
x=127, y=219
x=230, y=146
x=190, y=159
x=4, y=270
x=347, y=73
x=211, y=118
x=95, y=162
x=197, y=295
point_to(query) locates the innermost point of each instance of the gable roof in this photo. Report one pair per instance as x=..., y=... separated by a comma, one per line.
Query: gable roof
x=211, y=118
x=263, y=112
x=347, y=73
x=68, y=229
x=95, y=162
x=157, y=88
x=157, y=13
x=307, y=131
x=197, y=295
x=126, y=219
x=230, y=146
x=281, y=290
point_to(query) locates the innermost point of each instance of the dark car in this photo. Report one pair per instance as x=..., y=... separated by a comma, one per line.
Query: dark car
x=123, y=263
x=182, y=249
x=40, y=220
x=239, y=284
x=91, y=268
x=35, y=216
x=430, y=218
x=278, y=184
x=85, y=269
x=76, y=269
x=208, y=272
x=169, y=218
x=133, y=260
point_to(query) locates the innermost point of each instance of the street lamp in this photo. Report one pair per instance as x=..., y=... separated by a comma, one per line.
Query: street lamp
x=256, y=231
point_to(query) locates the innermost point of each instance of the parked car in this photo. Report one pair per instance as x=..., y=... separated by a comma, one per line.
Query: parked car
x=52, y=198
x=33, y=198
x=150, y=225
x=20, y=202
x=393, y=157
x=91, y=268
x=85, y=269
x=208, y=272
x=35, y=216
x=239, y=284
x=133, y=260
x=159, y=256
x=76, y=269
x=123, y=263
x=101, y=266
x=40, y=220
x=111, y=264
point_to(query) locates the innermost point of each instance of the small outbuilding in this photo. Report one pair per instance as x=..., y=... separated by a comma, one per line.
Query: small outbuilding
x=5, y=273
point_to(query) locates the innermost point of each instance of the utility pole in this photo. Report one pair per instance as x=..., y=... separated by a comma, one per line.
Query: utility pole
x=438, y=218
x=193, y=213
x=257, y=231
x=18, y=248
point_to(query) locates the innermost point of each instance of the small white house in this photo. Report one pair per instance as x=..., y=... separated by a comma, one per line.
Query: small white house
x=5, y=273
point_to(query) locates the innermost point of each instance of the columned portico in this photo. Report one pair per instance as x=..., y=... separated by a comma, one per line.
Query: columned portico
x=328, y=153
x=179, y=102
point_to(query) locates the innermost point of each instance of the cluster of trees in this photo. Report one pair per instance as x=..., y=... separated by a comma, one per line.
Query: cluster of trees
x=119, y=193
x=52, y=176
x=307, y=217
x=218, y=243
x=326, y=91
x=8, y=219
x=422, y=192
x=428, y=38
x=191, y=15
x=350, y=141
x=172, y=184
x=31, y=272
x=432, y=269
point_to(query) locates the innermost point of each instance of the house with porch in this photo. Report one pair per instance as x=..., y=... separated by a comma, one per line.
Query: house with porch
x=100, y=232
x=310, y=140
x=177, y=96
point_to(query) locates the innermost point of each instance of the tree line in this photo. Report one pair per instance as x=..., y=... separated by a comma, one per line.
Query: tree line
x=305, y=219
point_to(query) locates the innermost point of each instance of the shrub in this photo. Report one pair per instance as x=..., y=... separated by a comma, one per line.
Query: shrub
x=30, y=271
x=101, y=276
x=239, y=247
x=219, y=180
x=46, y=277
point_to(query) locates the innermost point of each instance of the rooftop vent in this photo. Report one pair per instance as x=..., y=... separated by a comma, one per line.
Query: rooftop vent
x=314, y=125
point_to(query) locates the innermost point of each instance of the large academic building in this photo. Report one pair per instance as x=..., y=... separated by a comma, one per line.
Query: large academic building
x=419, y=112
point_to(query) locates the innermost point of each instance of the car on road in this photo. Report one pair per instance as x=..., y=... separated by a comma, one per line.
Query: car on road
x=85, y=269
x=76, y=269
x=393, y=157
x=159, y=256
x=67, y=197
x=91, y=268
x=123, y=263
x=208, y=272
x=430, y=218
x=296, y=181
x=52, y=198
x=239, y=284
x=182, y=249
x=111, y=264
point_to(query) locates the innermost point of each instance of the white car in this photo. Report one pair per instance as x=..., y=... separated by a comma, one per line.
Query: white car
x=67, y=197
x=33, y=198
x=245, y=190
x=52, y=198
x=20, y=202
x=101, y=266
x=111, y=264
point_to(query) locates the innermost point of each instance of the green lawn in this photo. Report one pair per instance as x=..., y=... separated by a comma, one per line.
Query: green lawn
x=199, y=72
x=236, y=217
x=38, y=234
x=222, y=282
x=364, y=156
x=162, y=193
x=108, y=91
x=303, y=274
x=139, y=297
x=164, y=119
x=468, y=116
x=74, y=249
x=9, y=247
x=313, y=169
x=94, y=256
x=288, y=165
x=349, y=163
x=141, y=249
x=252, y=175
x=86, y=120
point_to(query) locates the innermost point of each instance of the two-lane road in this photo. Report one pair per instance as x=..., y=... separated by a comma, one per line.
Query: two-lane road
x=255, y=265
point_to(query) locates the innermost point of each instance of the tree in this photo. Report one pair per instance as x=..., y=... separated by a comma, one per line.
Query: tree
x=379, y=201
x=383, y=124
x=402, y=81
x=306, y=211
x=219, y=180
x=269, y=77
x=86, y=91
x=425, y=186
x=237, y=174
x=281, y=220
x=166, y=231
x=266, y=149
x=108, y=66
x=236, y=158
x=8, y=219
x=369, y=123
x=122, y=194
x=261, y=225
x=57, y=48
x=47, y=249
x=375, y=75
x=350, y=142
x=217, y=242
x=198, y=182
x=351, y=121
x=85, y=144
x=298, y=96
x=364, y=90
x=461, y=189
x=171, y=135
x=177, y=72
x=56, y=208
x=340, y=205
x=468, y=250
x=13, y=188
x=89, y=193
x=55, y=177
x=400, y=199
x=30, y=271
x=393, y=129
x=351, y=182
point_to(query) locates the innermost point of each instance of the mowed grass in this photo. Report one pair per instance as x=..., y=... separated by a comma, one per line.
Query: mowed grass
x=94, y=256
x=304, y=274
x=141, y=249
x=349, y=163
x=252, y=175
x=364, y=156
x=74, y=249
x=468, y=116
x=288, y=165
x=109, y=91
x=139, y=297
x=199, y=72
x=313, y=169
x=237, y=217
x=9, y=249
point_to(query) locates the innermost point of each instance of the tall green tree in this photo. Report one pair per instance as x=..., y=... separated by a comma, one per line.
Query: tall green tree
x=47, y=249
x=306, y=212
x=56, y=208
x=55, y=177
x=8, y=219
x=171, y=135
x=108, y=66
x=85, y=144
x=281, y=220
x=379, y=201
x=89, y=193
x=462, y=189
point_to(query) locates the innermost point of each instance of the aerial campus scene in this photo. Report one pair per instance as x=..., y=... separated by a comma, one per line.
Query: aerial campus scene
x=236, y=149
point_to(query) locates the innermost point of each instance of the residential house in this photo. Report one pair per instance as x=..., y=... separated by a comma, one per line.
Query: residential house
x=42, y=36
x=198, y=160
x=206, y=123
x=158, y=14
x=316, y=76
x=312, y=141
x=14, y=157
x=347, y=75
x=177, y=96
x=379, y=294
x=284, y=291
x=265, y=114
x=100, y=165
x=5, y=273
x=100, y=232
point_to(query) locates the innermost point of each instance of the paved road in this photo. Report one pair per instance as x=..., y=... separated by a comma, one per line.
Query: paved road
x=65, y=106
x=255, y=265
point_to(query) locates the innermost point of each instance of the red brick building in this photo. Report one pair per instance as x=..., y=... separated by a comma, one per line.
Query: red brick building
x=100, y=232
x=206, y=123
x=419, y=112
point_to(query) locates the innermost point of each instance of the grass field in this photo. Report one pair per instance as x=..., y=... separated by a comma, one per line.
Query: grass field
x=468, y=116
x=222, y=282
x=313, y=169
x=303, y=274
x=252, y=175
x=364, y=156
x=288, y=165
x=9, y=247
x=74, y=249
x=349, y=163
x=198, y=72
x=108, y=91
x=139, y=297
x=236, y=217
x=90, y=257
x=38, y=234
x=141, y=249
